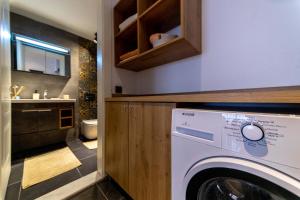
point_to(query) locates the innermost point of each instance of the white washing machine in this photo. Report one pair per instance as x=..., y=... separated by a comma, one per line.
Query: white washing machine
x=220, y=155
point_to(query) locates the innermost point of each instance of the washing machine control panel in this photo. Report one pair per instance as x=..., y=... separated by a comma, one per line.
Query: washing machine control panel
x=252, y=132
x=270, y=137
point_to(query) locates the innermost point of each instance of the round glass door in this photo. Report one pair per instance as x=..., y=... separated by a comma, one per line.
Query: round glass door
x=229, y=184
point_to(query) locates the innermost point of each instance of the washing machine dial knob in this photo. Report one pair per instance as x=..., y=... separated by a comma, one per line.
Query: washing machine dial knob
x=252, y=132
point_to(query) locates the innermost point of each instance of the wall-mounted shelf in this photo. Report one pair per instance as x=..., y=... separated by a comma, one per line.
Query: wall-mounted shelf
x=157, y=16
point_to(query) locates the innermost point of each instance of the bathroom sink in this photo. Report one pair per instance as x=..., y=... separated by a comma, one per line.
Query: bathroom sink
x=52, y=100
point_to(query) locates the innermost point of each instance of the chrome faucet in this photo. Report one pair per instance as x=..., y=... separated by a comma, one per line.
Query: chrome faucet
x=45, y=94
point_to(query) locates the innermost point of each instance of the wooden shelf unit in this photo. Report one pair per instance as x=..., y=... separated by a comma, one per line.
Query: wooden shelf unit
x=66, y=118
x=157, y=16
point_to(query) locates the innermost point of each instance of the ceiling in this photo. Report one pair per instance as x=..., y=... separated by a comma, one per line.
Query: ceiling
x=75, y=16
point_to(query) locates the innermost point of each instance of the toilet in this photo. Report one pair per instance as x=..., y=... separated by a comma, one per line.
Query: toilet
x=89, y=128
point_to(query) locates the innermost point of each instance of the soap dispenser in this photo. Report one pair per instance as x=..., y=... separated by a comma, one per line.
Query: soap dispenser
x=36, y=95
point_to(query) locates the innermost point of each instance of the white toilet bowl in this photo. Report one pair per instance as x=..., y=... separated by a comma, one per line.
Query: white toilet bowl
x=89, y=128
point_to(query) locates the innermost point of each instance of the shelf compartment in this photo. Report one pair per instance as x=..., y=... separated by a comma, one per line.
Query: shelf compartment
x=156, y=20
x=123, y=10
x=176, y=49
x=144, y=5
x=164, y=13
x=68, y=112
x=146, y=30
x=66, y=123
x=128, y=7
x=66, y=118
x=126, y=41
x=130, y=30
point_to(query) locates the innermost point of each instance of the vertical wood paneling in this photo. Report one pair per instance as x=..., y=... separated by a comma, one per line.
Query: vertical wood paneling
x=150, y=151
x=116, y=142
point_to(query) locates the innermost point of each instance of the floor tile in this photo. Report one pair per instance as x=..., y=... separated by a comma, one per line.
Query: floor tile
x=49, y=185
x=84, y=152
x=91, y=193
x=87, y=157
x=112, y=191
x=75, y=144
x=89, y=165
x=13, y=191
x=16, y=173
x=17, y=161
x=100, y=194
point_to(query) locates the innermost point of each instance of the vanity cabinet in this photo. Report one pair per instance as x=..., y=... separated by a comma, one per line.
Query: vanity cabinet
x=138, y=148
x=21, y=121
x=30, y=120
x=47, y=119
x=37, y=125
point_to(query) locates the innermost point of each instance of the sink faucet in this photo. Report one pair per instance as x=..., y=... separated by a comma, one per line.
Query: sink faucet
x=45, y=94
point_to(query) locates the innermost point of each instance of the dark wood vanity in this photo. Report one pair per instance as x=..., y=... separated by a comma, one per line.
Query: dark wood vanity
x=40, y=124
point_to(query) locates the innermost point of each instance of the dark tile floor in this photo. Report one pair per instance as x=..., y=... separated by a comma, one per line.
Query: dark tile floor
x=104, y=190
x=86, y=156
x=111, y=190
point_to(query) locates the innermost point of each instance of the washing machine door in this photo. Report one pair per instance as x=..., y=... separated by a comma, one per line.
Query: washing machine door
x=238, y=183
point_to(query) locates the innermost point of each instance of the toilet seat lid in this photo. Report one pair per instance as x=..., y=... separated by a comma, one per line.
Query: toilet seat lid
x=90, y=121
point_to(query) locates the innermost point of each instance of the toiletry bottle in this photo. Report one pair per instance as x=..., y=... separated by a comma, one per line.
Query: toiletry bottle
x=36, y=95
x=45, y=94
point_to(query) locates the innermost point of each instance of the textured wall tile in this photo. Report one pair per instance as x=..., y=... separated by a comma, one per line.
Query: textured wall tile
x=88, y=79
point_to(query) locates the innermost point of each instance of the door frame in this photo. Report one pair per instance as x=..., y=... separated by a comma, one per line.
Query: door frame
x=5, y=102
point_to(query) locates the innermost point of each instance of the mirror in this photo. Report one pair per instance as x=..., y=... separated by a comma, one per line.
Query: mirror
x=36, y=56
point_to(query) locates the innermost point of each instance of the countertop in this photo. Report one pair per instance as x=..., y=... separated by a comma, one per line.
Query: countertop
x=262, y=95
x=43, y=101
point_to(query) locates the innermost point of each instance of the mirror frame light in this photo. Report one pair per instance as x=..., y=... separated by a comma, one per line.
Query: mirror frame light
x=42, y=44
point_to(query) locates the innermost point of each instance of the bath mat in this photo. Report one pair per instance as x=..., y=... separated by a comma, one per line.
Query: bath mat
x=48, y=165
x=91, y=144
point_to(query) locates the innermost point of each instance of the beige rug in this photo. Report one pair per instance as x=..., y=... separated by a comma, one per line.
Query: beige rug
x=43, y=167
x=91, y=144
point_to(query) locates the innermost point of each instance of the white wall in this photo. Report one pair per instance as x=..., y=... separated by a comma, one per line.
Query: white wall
x=5, y=104
x=246, y=44
x=124, y=78
x=75, y=16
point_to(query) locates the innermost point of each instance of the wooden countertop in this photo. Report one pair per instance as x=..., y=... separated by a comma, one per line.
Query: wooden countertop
x=263, y=95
